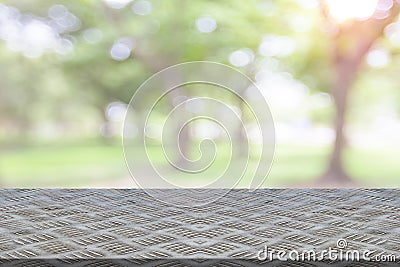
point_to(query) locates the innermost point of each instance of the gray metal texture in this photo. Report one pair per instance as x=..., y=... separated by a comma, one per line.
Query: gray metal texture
x=128, y=223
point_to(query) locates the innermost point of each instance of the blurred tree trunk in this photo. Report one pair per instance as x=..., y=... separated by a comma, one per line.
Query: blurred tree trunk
x=184, y=138
x=345, y=71
x=351, y=41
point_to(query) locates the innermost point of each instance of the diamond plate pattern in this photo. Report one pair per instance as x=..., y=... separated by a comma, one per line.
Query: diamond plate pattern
x=91, y=224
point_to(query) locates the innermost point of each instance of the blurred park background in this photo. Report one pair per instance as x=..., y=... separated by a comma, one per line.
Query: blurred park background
x=69, y=68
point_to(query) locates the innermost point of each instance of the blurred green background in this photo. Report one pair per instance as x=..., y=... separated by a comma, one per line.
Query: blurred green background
x=69, y=68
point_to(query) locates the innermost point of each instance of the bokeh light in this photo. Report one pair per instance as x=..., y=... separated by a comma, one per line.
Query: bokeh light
x=206, y=24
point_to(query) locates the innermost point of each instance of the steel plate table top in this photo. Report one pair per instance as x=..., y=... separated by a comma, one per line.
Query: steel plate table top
x=129, y=223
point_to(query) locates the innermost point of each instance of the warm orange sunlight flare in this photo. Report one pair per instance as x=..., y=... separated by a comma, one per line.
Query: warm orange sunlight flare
x=342, y=10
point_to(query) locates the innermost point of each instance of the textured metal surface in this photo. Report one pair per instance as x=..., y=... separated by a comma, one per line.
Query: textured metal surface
x=74, y=223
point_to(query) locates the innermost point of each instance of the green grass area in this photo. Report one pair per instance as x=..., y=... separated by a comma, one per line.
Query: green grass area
x=373, y=167
x=77, y=165
x=61, y=166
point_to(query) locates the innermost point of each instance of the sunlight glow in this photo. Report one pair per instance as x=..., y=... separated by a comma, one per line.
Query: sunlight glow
x=342, y=10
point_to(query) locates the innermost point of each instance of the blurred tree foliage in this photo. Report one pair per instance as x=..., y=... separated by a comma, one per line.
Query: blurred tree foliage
x=105, y=49
x=87, y=78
